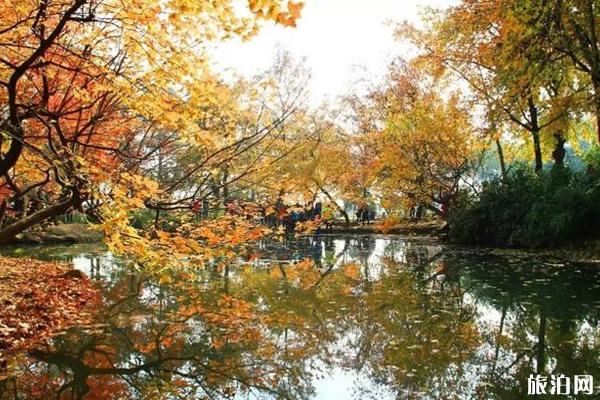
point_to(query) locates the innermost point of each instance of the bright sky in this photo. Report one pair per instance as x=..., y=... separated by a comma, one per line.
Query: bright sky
x=342, y=40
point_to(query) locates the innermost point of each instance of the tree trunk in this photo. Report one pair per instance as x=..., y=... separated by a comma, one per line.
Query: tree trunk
x=3, y=207
x=8, y=160
x=340, y=209
x=598, y=116
x=501, y=159
x=537, y=150
x=558, y=154
x=597, y=106
x=8, y=233
x=225, y=185
x=535, y=134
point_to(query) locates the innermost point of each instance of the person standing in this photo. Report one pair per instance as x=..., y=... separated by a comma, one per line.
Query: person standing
x=364, y=217
x=317, y=211
x=328, y=217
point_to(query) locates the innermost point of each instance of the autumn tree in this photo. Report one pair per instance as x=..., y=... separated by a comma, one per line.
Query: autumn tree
x=415, y=141
x=89, y=91
x=320, y=165
x=571, y=28
x=511, y=74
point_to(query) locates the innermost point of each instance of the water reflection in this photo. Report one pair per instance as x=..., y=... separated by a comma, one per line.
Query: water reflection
x=372, y=317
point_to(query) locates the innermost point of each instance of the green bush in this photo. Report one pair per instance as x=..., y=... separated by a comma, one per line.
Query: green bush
x=529, y=210
x=142, y=219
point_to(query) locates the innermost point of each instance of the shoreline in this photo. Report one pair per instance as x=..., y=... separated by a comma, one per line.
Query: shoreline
x=423, y=227
x=588, y=252
x=61, y=234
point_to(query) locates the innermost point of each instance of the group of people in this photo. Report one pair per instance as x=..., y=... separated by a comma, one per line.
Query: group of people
x=289, y=216
x=272, y=215
x=280, y=214
x=200, y=208
x=365, y=214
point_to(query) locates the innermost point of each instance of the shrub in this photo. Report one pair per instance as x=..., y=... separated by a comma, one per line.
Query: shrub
x=529, y=210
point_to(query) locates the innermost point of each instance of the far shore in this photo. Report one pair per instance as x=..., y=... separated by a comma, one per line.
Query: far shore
x=66, y=234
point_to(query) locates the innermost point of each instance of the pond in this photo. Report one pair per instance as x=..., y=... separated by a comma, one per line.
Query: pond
x=323, y=317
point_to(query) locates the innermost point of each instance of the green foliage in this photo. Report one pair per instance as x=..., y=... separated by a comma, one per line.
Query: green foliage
x=142, y=219
x=145, y=219
x=528, y=210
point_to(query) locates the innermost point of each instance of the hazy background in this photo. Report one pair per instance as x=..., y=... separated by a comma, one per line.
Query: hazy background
x=342, y=41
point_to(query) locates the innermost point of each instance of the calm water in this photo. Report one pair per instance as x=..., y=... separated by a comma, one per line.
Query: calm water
x=372, y=317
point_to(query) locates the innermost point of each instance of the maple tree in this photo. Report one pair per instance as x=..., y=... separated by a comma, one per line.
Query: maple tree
x=90, y=96
x=318, y=162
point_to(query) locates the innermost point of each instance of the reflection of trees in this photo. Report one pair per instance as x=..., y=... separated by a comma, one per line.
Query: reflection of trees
x=415, y=324
x=387, y=327
x=268, y=330
x=548, y=318
x=412, y=336
x=158, y=343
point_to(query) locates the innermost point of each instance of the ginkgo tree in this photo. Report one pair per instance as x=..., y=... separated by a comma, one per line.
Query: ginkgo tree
x=522, y=84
